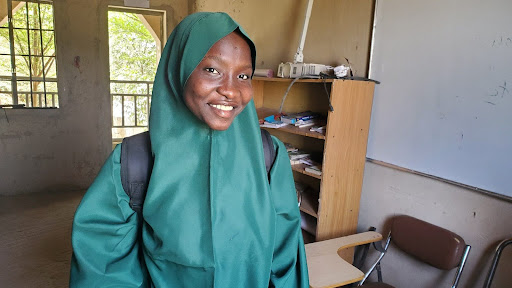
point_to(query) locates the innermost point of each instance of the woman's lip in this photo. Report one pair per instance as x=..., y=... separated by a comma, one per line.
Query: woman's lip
x=223, y=113
x=222, y=107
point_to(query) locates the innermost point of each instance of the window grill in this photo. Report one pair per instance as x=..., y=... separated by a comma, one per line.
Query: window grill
x=28, y=55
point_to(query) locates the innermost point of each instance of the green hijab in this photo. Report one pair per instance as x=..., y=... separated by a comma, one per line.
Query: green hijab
x=211, y=216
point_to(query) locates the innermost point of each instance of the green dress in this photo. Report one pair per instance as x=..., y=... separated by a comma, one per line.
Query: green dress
x=212, y=218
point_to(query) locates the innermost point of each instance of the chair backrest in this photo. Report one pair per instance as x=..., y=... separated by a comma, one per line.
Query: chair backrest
x=429, y=243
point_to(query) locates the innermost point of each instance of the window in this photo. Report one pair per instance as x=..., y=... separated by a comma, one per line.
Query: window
x=136, y=37
x=28, y=68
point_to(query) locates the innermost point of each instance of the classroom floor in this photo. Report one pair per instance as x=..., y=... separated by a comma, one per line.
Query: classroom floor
x=35, y=239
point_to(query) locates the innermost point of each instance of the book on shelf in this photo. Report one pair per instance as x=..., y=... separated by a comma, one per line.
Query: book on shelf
x=314, y=169
x=289, y=147
x=297, y=155
x=307, y=161
x=301, y=116
x=275, y=124
x=319, y=129
x=304, y=124
x=273, y=118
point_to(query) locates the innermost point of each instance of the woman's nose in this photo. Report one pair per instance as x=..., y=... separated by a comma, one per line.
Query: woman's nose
x=228, y=88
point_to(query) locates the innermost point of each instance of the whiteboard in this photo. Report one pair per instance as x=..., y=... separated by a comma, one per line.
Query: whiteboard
x=444, y=105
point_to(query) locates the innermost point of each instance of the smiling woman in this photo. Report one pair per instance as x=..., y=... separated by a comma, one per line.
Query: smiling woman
x=220, y=87
x=212, y=216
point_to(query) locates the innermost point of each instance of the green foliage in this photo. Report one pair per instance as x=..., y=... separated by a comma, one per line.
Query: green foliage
x=133, y=57
x=34, y=47
x=133, y=51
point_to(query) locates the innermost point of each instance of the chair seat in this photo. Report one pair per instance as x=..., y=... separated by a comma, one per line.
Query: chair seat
x=376, y=285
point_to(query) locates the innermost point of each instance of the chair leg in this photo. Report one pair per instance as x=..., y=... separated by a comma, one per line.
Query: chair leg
x=495, y=261
x=382, y=251
x=461, y=266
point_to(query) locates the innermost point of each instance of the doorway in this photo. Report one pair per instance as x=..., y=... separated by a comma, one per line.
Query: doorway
x=136, y=40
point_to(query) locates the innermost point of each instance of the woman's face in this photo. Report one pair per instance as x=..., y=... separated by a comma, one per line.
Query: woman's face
x=220, y=87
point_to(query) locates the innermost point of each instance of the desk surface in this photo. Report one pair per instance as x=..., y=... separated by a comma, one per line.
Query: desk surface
x=327, y=269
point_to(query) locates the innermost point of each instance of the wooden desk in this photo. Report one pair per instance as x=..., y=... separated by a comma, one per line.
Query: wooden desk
x=327, y=269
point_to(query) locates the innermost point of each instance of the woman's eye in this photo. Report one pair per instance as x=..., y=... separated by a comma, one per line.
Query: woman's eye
x=243, y=76
x=212, y=70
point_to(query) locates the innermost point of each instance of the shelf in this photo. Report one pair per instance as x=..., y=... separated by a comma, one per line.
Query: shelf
x=264, y=112
x=309, y=202
x=304, y=80
x=343, y=152
x=308, y=223
x=300, y=168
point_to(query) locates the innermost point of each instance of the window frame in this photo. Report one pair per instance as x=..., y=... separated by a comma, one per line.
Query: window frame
x=30, y=95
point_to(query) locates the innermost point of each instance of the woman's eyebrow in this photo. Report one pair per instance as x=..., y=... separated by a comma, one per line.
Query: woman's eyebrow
x=219, y=59
x=213, y=57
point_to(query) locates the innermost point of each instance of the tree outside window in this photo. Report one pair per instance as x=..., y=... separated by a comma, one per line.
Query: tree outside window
x=28, y=69
x=134, y=46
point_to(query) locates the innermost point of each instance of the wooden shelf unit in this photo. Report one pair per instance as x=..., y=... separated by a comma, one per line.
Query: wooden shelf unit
x=342, y=148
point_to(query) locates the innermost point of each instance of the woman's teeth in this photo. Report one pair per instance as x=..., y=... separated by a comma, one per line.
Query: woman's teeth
x=222, y=107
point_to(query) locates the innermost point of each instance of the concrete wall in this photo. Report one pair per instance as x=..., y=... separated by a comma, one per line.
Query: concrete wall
x=338, y=29
x=482, y=220
x=57, y=149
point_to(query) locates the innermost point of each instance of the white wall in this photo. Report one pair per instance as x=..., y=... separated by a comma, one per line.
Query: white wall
x=482, y=220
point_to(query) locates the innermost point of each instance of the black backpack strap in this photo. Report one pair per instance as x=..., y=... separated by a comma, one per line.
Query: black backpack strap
x=268, y=150
x=136, y=166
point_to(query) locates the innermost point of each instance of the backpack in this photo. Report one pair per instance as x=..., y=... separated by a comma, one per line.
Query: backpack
x=137, y=163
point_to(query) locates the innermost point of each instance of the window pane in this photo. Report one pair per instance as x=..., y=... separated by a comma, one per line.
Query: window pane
x=142, y=111
x=48, y=43
x=23, y=86
x=20, y=42
x=51, y=86
x=50, y=70
x=22, y=66
x=5, y=65
x=117, y=111
x=5, y=86
x=23, y=98
x=37, y=67
x=5, y=99
x=51, y=100
x=47, y=16
x=33, y=16
x=38, y=86
x=35, y=43
x=129, y=111
x=20, y=16
x=56, y=99
x=128, y=88
x=4, y=41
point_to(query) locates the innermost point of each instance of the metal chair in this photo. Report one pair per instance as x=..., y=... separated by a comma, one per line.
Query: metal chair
x=426, y=242
x=495, y=261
